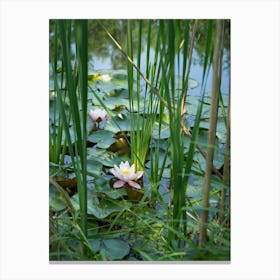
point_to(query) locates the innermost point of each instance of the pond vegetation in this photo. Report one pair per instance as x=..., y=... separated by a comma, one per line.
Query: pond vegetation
x=139, y=149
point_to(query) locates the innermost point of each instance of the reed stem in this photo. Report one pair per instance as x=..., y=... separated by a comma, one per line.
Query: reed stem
x=216, y=78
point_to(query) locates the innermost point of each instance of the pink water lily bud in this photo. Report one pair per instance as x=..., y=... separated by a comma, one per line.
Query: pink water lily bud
x=126, y=174
x=98, y=115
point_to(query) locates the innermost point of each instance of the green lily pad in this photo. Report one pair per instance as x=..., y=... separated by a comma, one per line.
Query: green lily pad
x=56, y=200
x=220, y=131
x=109, y=80
x=187, y=142
x=104, y=209
x=117, y=124
x=94, y=166
x=160, y=157
x=115, y=101
x=95, y=244
x=96, y=208
x=195, y=190
x=193, y=101
x=102, y=186
x=166, y=173
x=113, y=249
x=103, y=138
x=164, y=132
x=105, y=157
x=200, y=162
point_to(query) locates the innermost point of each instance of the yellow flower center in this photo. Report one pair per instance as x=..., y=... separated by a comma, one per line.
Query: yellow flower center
x=126, y=171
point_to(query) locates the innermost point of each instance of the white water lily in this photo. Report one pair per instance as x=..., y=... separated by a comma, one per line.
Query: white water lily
x=98, y=115
x=126, y=174
x=105, y=78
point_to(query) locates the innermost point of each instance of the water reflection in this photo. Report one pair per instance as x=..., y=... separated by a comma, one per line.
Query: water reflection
x=104, y=55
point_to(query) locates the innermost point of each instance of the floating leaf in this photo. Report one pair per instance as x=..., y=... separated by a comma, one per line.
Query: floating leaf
x=94, y=166
x=117, y=124
x=95, y=244
x=102, y=185
x=103, y=138
x=166, y=173
x=105, y=157
x=100, y=209
x=164, y=132
x=56, y=200
x=94, y=207
x=160, y=158
x=115, y=249
x=220, y=131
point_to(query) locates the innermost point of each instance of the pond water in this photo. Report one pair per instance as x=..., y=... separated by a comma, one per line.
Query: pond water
x=107, y=56
x=99, y=63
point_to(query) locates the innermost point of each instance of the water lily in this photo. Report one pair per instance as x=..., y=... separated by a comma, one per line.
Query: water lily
x=126, y=174
x=98, y=115
x=105, y=78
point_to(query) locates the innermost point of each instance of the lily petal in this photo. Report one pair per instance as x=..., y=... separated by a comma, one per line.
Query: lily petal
x=139, y=174
x=113, y=171
x=134, y=184
x=132, y=168
x=118, y=184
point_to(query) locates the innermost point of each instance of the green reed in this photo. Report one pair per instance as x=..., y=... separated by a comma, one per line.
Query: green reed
x=162, y=75
x=56, y=146
x=76, y=93
x=141, y=127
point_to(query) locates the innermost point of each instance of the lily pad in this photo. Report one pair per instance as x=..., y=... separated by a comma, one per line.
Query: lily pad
x=200, y=162
x=95, y=244
x=193, y=101
x=94, y=166
x=56, y=200
x=109, y=80
x=102, y=185
x=117, y=124
x=160, y=157
x=105, y=157
x=113, y=249
x=103, y=138
x=104, y=209
x=99, y=209
x=220, y=131
x=164, y=132
x=166, y=173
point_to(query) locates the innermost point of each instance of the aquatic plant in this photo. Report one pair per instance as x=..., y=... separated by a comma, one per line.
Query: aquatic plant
x=76, y=80
x=126, y=174
x=98, y=115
